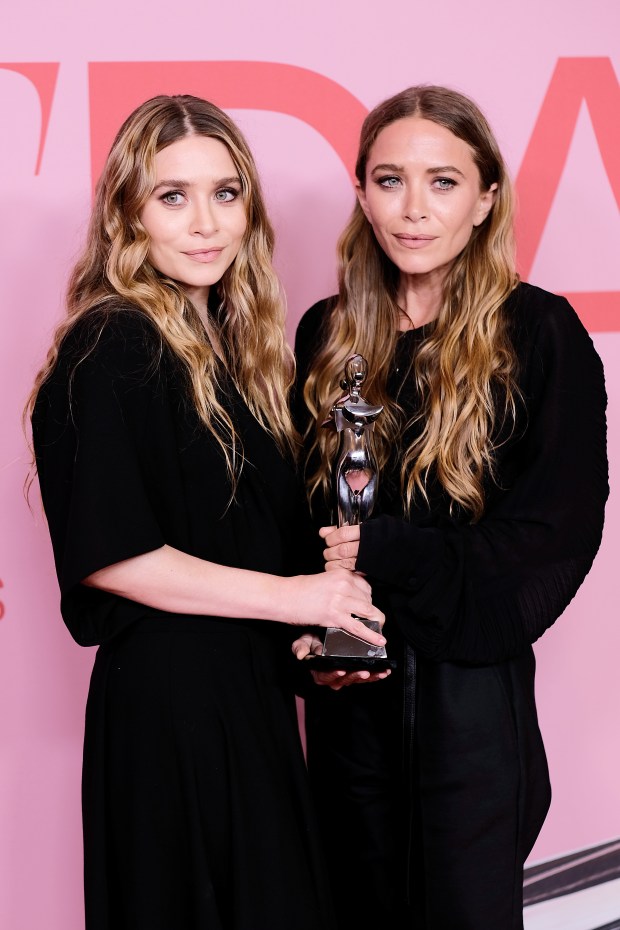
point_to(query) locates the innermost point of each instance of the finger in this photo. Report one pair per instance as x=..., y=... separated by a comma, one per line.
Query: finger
x=333, y=536
x=375, y=676
x=366, y=611
x=303, y=645
x=339, y=684
x=350, y=624
x=328, y=678
x=307, y=645
x=361, y=677
x=359, y=629
x=348, y=564
x=344, y=550
x=301, y=650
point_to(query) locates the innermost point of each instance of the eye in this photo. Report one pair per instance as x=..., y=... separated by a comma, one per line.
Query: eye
x=172, y=198
x=389, y=182
x=444, y=184
x=226, y=194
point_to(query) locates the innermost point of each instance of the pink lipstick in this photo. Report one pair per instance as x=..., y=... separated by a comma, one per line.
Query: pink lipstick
x=204, y=256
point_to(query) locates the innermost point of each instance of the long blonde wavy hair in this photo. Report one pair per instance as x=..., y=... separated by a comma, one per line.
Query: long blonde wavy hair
x=465, y=368
x=249, y=324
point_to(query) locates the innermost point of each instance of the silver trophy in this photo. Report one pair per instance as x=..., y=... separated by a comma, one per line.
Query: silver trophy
x=355, y=480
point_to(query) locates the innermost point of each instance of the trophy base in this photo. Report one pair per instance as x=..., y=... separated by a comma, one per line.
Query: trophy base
x=348, y=652
x=350, y=663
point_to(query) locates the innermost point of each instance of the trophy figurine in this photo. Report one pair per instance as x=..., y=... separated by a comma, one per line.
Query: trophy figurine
x=355, y=481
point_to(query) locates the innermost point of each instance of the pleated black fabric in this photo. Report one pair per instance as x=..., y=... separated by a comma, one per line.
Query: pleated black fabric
x=197, y=814
x=440, y=771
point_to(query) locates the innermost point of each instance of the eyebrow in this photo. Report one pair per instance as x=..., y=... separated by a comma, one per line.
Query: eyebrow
x=179, y=182
x=444, y=168
x=398, y=169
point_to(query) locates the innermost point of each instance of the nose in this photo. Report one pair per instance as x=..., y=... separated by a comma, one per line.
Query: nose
x=415, y=207
x=203, y=220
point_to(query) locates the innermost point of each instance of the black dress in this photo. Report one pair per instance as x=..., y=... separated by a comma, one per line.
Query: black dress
x=196, y=809
x=437, y=776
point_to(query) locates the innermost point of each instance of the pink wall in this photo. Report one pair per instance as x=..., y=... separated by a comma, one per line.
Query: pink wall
x=568, y=170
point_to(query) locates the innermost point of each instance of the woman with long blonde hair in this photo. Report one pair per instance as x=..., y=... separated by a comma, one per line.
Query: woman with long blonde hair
x=492, y=491
x=165, y=456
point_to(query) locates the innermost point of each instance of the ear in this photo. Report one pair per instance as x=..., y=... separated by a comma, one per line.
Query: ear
x=486, y=201
x=361, y=196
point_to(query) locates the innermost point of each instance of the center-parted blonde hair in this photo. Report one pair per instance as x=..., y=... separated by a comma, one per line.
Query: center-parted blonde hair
x=249, y=323
x=465, y=368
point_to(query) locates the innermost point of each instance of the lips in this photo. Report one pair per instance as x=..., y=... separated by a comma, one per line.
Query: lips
x=204, y=256
x=414, y=242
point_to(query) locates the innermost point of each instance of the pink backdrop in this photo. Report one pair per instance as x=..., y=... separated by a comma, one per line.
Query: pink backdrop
x=299, y=84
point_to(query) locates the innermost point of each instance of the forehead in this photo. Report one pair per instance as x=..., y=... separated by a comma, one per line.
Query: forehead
x=417, y=140
x=193, y=158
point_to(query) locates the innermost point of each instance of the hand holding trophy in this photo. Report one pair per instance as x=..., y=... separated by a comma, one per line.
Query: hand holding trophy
x=355, y=480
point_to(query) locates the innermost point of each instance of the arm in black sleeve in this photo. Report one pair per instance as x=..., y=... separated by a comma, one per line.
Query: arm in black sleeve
x=482, y=592
x=90, y=428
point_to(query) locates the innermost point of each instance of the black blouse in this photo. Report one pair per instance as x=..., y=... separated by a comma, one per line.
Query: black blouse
x=125, y=466
x=480, y=593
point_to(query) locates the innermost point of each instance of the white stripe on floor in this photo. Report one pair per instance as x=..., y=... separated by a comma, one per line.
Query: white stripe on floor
x=583, y=910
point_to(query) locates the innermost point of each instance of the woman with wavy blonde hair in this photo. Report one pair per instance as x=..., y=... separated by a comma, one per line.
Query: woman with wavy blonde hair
x=490, y=511
x=164, y=450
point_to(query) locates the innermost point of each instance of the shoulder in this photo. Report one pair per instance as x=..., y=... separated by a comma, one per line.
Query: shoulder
x=112, y=351
x=112, y=333
x=538, y=315
x=109, y=365
x=545, y=324
x=551, y=342
x=110, y=343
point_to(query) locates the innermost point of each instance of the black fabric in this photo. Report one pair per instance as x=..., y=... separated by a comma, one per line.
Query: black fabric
x=466, y=601
x=196, y=809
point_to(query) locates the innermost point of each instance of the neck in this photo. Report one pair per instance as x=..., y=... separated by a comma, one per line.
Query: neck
x=199, y=297
x=419, y=298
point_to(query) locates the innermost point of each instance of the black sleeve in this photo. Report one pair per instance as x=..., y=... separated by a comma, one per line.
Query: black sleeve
x=482, y=592
x=90, y=428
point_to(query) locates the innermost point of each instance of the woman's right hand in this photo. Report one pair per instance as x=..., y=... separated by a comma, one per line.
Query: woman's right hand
x=330, y=599
x=309, y=644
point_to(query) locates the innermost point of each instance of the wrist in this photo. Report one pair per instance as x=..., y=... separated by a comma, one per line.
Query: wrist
x=278, y=599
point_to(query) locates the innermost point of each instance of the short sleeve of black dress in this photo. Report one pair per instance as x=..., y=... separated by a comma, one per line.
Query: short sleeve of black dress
x=90, y=425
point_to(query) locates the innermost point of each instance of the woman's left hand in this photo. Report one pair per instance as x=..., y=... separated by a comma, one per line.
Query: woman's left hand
x=341, y=546
x=308, y=644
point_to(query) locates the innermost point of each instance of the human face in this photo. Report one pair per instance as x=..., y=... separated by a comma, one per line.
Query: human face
x=195, y=215
x=422, y=196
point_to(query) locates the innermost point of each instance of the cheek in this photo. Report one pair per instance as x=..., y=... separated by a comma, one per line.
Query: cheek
x=240, y=225
x=161, y=253
x=159, y=258
x=380, y=211
x=459, y=222
x=380, y=223
x=161, y=229
x=236, y=232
